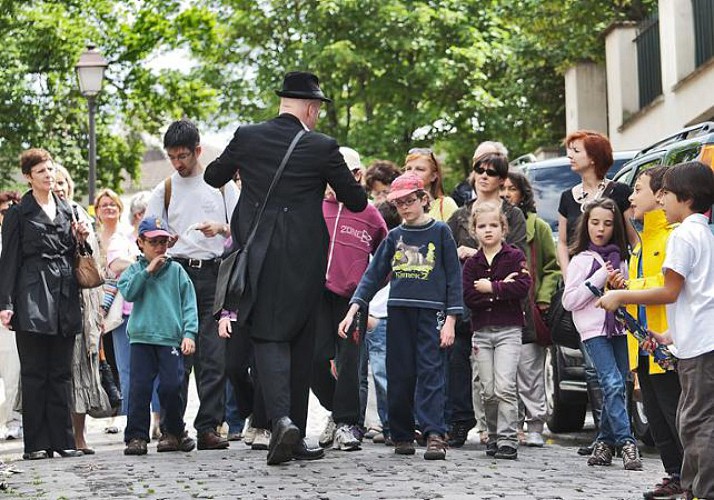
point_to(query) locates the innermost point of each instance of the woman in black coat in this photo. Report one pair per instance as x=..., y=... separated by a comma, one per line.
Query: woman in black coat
x=39, y=299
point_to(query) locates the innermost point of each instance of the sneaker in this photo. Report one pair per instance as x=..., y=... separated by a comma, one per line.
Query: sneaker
x=491, y=449
x=458, y=434
x=377, y=438
x=506, y=452
x=535, y=439
x=14, y=430
x=345, y=439
x=631, y=456
x=135, y=446
x=404, y=448
x=249, y=433
x=435, y=447
x=261, y=441
x=601, y=455
x=168, y=442
x=669, y=488
x=328, y=434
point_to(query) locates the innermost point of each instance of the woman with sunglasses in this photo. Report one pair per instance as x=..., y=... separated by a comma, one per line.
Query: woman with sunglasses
x=422, y=162
x=39, y=300
x=10, y=420
x=465, y=408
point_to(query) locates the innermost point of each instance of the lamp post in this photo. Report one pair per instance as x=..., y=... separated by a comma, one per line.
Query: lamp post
x=90, y=73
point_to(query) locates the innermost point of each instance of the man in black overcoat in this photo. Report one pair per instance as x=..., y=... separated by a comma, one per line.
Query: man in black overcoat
x=288, y=258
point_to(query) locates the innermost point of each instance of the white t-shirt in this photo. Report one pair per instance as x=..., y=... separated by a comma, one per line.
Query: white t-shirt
x=192, y=202
x=690, y=253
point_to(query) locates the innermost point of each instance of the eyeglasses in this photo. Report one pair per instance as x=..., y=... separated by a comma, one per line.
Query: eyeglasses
x=404, y=203
x=181, y=157
x=156, y=242
x=488, y=171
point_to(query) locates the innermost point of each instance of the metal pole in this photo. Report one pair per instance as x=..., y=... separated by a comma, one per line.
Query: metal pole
x=92, y=151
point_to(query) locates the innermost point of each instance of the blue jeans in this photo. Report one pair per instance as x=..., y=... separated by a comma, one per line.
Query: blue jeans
x=147, y=362
x=235, y=423
x=609, y=356
x=376, y=347
x=122, y=356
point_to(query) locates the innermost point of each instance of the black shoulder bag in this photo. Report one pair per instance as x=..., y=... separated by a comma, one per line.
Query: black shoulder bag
x=233, y=271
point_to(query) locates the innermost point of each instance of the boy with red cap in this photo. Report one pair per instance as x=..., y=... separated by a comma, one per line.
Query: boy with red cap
x=424, y=299
x=164, y=320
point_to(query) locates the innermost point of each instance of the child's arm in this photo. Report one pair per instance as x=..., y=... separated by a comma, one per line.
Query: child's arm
x=373, y=278
x=189, y=312
x=452, y=268
x=667, y=294
x=447, y=334
x=516, y=285
x=576, y=295
x=132, y=282
x=473, y=299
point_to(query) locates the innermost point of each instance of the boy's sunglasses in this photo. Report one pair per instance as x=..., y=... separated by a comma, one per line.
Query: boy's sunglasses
x=489, y=171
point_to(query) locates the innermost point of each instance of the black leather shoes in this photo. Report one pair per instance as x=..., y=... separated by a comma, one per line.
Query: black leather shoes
x=67, y=453
x=302, y=452
x=35, y=455
x=283, y=440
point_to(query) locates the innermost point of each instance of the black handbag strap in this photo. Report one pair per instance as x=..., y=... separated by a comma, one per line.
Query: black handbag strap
x=276, y=178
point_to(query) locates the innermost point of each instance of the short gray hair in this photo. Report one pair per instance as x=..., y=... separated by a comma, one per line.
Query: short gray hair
x=138, y=203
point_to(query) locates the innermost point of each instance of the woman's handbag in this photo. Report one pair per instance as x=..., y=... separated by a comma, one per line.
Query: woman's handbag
x=86, y=269
x=233, y=271
x=562, y=327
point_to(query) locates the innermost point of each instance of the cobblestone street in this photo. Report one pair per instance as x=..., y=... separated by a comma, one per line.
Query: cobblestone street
x=375, y=472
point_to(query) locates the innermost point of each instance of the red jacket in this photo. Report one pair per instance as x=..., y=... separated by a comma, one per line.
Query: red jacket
x=353, y=237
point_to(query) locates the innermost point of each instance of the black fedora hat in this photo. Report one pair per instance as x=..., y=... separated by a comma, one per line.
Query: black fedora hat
x=302, y=85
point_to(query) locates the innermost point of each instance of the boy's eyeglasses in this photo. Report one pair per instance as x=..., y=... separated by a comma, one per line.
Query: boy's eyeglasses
x=155, y=242
x=488, y=171
x=404, y=203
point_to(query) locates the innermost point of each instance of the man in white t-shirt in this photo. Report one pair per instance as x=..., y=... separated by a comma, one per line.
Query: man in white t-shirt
x=200, y=215
x=688, y=195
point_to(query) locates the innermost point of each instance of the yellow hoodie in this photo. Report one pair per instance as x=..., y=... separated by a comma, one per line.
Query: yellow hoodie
x=651, y=249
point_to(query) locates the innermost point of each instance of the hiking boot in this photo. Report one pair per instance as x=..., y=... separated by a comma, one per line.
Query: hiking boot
x=535, y=439
x=491, y=448
x=404, y=448
x=506, y=452
x=458, y=433
x=435, y=447
x=168, y=442
x=601, y=455
x=345, y=439
x=328, y=434
x=669, y=488
x=261, y=440
x=135, y=446
x=631, y=456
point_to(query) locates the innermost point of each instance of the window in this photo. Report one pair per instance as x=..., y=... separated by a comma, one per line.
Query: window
x=649, y=69
x=703, y=33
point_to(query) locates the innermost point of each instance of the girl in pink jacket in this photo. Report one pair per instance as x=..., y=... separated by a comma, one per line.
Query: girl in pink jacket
x=600, y=247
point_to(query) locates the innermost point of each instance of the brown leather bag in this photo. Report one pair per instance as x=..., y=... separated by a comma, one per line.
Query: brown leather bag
x=86, y=269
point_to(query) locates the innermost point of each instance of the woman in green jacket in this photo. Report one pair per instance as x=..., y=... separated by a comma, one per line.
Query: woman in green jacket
x=545, y=272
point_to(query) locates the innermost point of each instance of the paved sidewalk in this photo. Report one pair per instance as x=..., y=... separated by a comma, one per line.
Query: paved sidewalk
x=375, y=472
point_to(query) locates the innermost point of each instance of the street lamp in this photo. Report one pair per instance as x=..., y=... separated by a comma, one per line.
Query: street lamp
x=90, y=73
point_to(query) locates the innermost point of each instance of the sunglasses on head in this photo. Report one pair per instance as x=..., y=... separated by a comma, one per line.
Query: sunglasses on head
x=420, y=151
x=489, y=171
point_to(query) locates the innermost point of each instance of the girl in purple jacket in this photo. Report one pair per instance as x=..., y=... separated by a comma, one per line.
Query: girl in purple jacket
x=495, y=281
x=600, y=247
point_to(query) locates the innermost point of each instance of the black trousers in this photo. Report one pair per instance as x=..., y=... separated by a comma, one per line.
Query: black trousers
x=459, y=402
x=240, y=370
x=284, y=371
x=46, y=380
x=660, y=397
x=340, y=395
x=209, y=360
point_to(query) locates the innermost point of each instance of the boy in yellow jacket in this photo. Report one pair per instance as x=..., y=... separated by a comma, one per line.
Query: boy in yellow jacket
x=660, y=388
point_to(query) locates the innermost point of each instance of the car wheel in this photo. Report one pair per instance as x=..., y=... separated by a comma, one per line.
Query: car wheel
x=561, y=416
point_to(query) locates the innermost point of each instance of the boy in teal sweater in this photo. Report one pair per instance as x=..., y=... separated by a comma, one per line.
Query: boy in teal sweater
x=164, y=320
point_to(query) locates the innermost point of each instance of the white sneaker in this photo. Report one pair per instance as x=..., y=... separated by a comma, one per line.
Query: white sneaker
x=14, y=430
x=261, y=440
x=345, y=439
x=328, y=435
x=535, y=439
x=249, y=431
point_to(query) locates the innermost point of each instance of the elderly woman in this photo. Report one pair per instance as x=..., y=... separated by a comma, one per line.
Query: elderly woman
x=39, y=299
x=87, y=394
